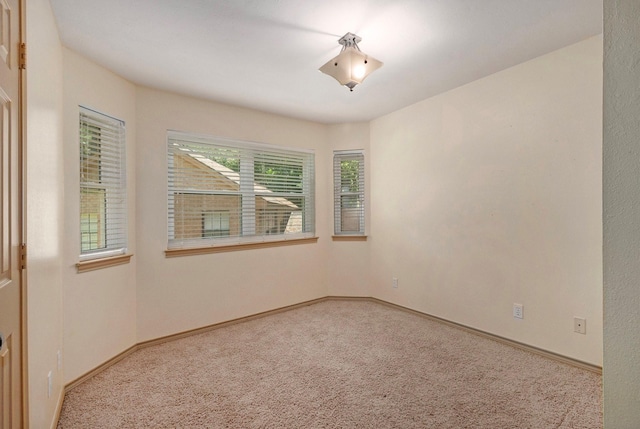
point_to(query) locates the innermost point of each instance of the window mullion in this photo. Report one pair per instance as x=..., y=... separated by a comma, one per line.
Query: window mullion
x=171, y=194
x=308, y=212
x=248, y=194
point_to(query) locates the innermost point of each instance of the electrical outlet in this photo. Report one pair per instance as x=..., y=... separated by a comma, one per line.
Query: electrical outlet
x=579, y=325
x=395, y=283
x=49, y=384
x=518, y=311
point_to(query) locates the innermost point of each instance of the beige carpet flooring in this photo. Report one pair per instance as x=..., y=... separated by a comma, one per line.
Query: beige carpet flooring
x=336, y=364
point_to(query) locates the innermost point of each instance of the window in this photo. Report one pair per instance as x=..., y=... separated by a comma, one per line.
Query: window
x=229, y=192
x=215, y=224
x=103, y=208
x=348, y=180
x=91, y=230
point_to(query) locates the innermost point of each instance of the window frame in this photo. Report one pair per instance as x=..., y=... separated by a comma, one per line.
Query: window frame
x=109, y=180
x=222, y=217
x=247, y=214
x=340, y=194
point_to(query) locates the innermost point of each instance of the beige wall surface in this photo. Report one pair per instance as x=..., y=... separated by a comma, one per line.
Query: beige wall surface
x=349, y=271
x=621, y=178
x=99, y=306
x=44, y=211
x=179, y=294
x=490, y=195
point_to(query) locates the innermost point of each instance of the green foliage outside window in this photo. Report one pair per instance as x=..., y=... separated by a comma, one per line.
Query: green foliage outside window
x=350, y=175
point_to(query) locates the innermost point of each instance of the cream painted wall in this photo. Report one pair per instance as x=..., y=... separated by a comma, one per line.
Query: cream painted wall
x=44, y=211
x=179, y=294
x=99, y=306
x=349, y=273
x=621, y=177
x=490, y=195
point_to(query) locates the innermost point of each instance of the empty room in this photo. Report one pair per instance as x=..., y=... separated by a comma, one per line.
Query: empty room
x=375, y=214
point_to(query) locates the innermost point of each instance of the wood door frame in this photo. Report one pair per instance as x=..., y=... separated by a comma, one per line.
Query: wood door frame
x=22, y=169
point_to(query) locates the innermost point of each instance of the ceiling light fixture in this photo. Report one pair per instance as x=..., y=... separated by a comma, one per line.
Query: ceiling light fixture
x=352, y=65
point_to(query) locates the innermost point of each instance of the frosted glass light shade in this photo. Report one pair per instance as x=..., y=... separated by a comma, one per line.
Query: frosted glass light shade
x=351, y=66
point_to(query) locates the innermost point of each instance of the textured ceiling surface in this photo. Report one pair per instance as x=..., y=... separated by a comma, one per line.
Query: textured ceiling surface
x=265, y=54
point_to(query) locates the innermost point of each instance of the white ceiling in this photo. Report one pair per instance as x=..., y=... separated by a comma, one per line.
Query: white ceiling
x=265, y=54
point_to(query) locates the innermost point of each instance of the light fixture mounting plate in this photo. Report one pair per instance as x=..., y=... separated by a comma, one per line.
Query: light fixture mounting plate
x=350, y=39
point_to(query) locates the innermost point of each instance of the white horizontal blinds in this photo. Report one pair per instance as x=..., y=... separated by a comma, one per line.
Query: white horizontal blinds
x=348, y=179
x=204, y=199
x=103, y=198
x=283, y=191
x=221, y=192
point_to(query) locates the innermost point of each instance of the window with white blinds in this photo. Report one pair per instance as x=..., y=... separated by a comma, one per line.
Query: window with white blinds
x=103, y=197
x=226, y=192
x=348, y=180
